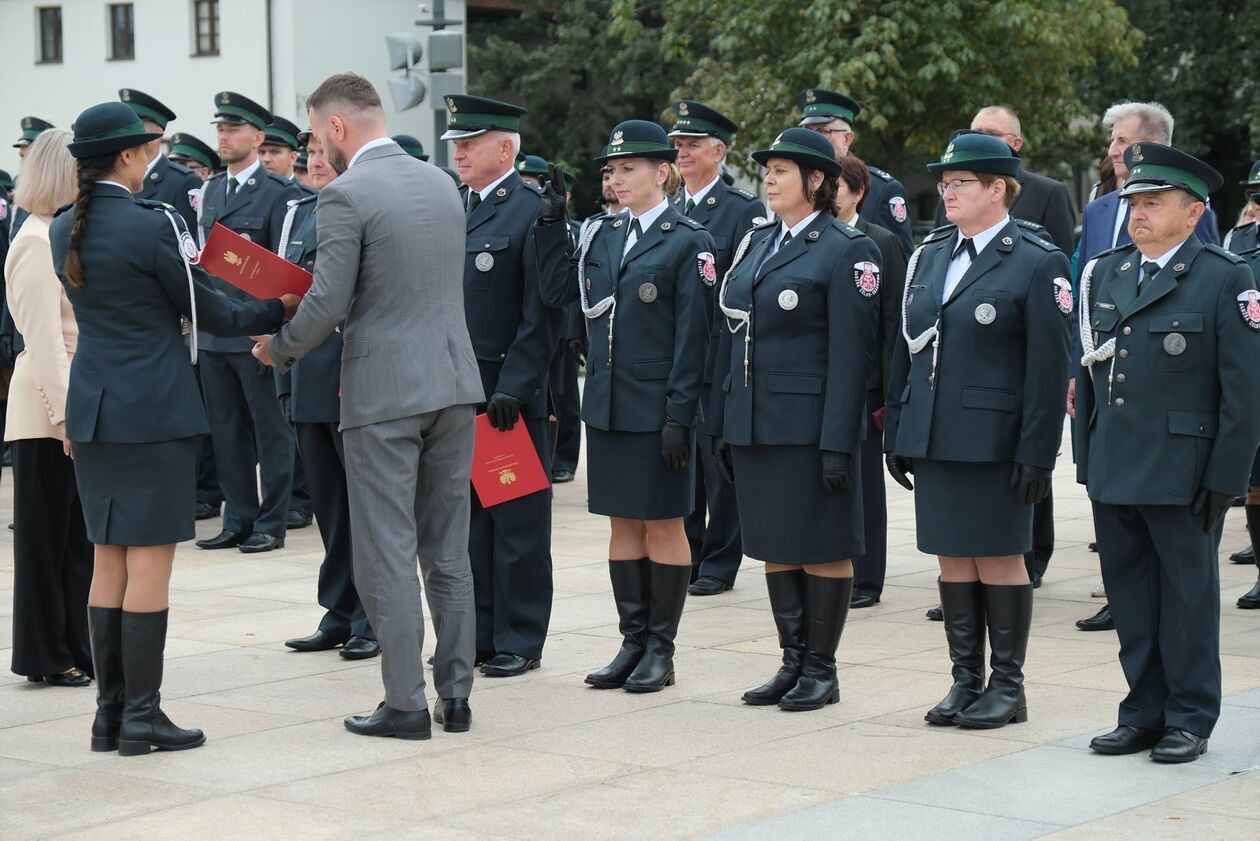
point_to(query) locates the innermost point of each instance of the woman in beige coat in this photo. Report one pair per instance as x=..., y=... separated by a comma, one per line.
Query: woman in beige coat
x=52, y=558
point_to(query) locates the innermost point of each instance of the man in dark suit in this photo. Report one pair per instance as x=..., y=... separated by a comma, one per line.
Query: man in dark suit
x=247, y=426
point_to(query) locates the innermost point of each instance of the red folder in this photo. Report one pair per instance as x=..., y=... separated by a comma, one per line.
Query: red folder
x=251, y=267
x=505, y=464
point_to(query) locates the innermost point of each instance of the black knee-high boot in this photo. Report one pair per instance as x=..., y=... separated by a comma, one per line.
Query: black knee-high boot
x=630, y=592
x=1251, y=599
x=787, y=605
x=963, y=606
x=144, y=725
x=826, y=609
x=667, y=588
x=1009, y=612
x=105, y=633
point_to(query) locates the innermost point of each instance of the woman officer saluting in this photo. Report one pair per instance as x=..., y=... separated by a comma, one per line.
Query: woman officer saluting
x=638, y=276
x=800, y=304
x=975, y=411
x=134, y=411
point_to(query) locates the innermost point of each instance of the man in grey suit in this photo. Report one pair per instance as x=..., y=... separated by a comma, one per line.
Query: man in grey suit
x=389, y=272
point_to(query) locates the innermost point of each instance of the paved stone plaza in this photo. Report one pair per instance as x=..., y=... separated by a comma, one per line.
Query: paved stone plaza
x=550, y=758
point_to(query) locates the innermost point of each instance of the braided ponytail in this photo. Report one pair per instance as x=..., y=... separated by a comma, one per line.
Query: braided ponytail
x=90, y=171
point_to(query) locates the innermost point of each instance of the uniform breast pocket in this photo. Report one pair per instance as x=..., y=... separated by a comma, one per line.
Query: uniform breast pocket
x=1177, y=341
x=993, y=308
x=484, y=254
x=1103, y=320
x=250, y=227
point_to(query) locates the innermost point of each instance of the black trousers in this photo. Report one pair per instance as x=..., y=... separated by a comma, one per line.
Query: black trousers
x=52, y=562
x=712, y=527
x=1038, y=560
x=320, y=444
x=1163, y=586
x=509, y=546
x=564, y=389
x=300, y=494
x=249, y=432
x=870, y=567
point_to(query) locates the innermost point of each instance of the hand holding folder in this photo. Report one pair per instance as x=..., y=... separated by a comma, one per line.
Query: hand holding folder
x=505, y=464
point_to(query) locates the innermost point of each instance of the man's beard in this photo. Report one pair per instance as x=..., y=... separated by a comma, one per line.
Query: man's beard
x=336, y=159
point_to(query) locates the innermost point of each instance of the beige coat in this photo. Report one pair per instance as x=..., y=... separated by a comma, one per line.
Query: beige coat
x=42, y=314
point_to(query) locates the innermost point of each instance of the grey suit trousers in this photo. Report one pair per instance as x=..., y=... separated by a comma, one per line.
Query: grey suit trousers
x=409, y=497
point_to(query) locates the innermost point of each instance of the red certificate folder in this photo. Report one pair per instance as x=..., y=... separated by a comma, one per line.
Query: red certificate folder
x=250, y=267
x=505, y=464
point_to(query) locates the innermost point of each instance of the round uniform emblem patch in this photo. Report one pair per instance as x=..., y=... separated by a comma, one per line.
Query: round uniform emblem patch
x=1174, y=344
x=484, y=261
x=986, y=314
x=897, y=205
x=707, y=265
x=194, y=198
x=647, y=293
x=866, y=278
x=4, y=210
x=1063, y=295
x=788, y=299
x=1249, y=308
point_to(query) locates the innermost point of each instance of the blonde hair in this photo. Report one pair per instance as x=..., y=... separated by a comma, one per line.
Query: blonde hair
x=48, y=179
x=673, y=181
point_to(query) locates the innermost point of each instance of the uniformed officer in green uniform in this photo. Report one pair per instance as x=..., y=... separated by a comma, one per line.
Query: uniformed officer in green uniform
x=412, y=146
x=279, y=151
x=1246, y=236
x=702, y=135
x=1168, y=422
x=165, y=181
x=32, y=127
x=532, y=169
x=194, y=154
x=833, y=114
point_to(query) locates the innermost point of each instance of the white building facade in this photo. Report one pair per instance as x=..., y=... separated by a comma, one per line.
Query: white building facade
x=64, y=55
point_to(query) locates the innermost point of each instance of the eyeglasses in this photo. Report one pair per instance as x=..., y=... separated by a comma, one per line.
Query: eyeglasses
x=829, y=131
x=998, y=134
x=953, y=186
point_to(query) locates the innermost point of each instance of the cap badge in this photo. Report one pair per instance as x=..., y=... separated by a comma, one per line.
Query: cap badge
x=124, y=95
x=450, y=104
x=682, y=109
x=27, y=122
x=521, y=166
x=810, y=96
x=777, y=140
x=1137, y=154
x=949, y=154
x=225, y=98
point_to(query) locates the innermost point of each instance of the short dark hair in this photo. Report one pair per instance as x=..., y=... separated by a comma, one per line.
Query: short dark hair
x=345, y=88
x=1012, y=185
x=824, y=198
x=856, y=176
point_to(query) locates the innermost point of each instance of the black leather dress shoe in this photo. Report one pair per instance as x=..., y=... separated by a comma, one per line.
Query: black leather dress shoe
x=318, y=641
x=453, y=714
x=1251, y=599
x=73, y=678
x=1179, y=746
x=561, y=476
x=1100, y=621
x=387, y=721
x=259, y=542
x=298, y=520
x=508, y=665
x=1124, y=740
x=863, y=600
x=206, y=511
x=707, y=585
x=936, y=614
x=223, y=540
x=1244, y=556
x=360, y=648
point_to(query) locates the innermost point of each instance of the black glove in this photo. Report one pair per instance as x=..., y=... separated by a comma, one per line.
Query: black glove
x=900, y=468
x=675, y=445
x=503, y=410
x=1032, y=484
x=555, y=205
x=1215, y=504
x=836, y=471
x=721, y=452
x=577, y=350
x=286, y=407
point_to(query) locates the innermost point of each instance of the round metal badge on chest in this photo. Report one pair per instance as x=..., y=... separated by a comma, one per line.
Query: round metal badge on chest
x=788, y=300
x=1174, y=344
x=484, y=261
x=647, y=293
x=986, y=314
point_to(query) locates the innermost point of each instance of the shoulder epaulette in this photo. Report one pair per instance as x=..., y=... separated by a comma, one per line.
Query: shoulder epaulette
x=151, y=204
x=63, y=209
x=764, y=223
x=690, y=223
x=847, y=229
x=1221, y=252
x=1250, y=252
x=1243, y=226
x=879, y=173
x=305, y=199
x=176, y=166
x=937, y=234
x=282, y=181
x=742, y=193
x=1113, y=250
x=1038, y=236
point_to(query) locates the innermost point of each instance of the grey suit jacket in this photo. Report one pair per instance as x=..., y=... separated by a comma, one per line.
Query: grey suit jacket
x=390, y=272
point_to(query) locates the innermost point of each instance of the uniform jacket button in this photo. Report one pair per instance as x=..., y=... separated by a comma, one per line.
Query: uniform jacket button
x=537, y=392
x=1124, y=353
x=1119, y=378
x=1176, y=324
x=1119, y=401
x=1128, y=330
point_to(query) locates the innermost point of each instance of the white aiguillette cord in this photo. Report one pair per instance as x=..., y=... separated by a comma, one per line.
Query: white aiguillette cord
x=607, y=305
x=742, y=318
x=1092, y=354
x=191, y=257
x=932, y=334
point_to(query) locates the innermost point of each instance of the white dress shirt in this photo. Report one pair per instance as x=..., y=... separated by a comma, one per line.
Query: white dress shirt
x=1162, y=260
x=959, y=265
x=645, y=221
x=371, y=144
x=783, y=228
x=704, y=191
x=244, y=175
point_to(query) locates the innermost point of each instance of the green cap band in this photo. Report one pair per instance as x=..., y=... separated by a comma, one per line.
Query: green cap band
x=148, y=114
x=820, y=109
x=280, y=134
x=476, y=122
x=629, y=149
x=245, y=114
x=692, y=124
x=1154, y=173
x=136, y=128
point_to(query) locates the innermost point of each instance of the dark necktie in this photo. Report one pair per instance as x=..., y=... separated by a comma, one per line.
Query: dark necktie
x=231, y=187
x=1149, y=269
x=636, y=230
x=691, y=205
x=787, y=237
x=474, y=199
x=966, y=245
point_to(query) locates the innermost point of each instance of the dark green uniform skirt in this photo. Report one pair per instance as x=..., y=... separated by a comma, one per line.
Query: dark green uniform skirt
x=626, y=477
x=138, y=494
x=969, y=510
x=786, y=516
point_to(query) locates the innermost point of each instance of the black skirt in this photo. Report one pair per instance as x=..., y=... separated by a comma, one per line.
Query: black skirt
x=626, y=477
x=785, y=514
x=969, y=510
x=138, y=494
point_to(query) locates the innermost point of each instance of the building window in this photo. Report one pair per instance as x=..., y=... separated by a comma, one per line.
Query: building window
x=49, y=34
x=206, y=27
x=122, y=31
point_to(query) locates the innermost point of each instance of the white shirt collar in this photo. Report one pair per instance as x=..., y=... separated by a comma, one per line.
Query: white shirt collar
x=485, y=191
x=650, y=216
x=246, y=173
x=371, y=144
x=152, y=163
x=695, y=197
x=1167, y=255
x=795, y=229
x=853, y=222
x=985, y=237
x=114, y=184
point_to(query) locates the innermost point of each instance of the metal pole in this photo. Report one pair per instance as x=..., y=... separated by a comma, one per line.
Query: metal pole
x=439, y=108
